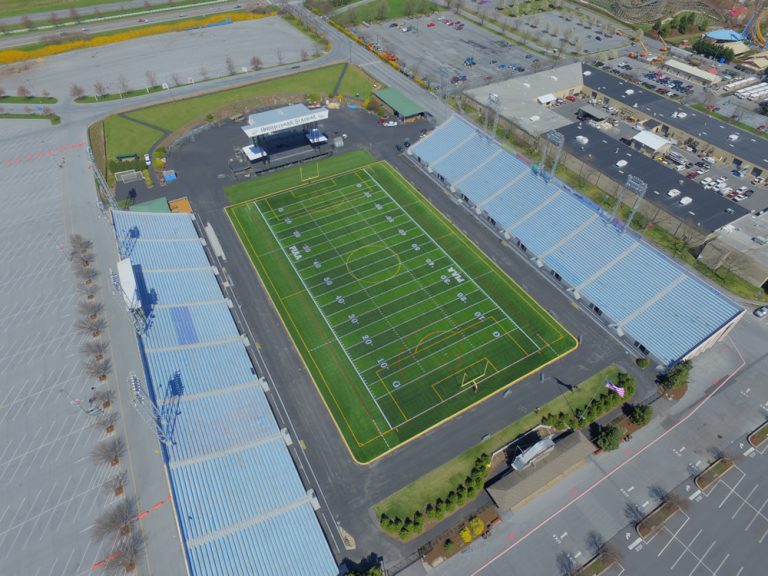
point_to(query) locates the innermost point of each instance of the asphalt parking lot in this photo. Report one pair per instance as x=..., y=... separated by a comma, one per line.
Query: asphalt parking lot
x=722, y=532
x=597, y=38
x=172, y=58
x=432, y=51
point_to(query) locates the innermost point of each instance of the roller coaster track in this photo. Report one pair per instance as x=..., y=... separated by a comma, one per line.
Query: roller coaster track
x=753, y=29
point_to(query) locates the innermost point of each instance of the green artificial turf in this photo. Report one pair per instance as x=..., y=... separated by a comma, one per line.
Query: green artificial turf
x=402, y=322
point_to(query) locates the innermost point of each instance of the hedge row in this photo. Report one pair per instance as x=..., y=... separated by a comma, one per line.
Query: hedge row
x=599, y=405
x=437, y=510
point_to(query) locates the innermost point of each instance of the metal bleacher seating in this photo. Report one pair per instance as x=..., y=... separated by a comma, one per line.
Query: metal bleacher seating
x=241, y=505
x=654, y=300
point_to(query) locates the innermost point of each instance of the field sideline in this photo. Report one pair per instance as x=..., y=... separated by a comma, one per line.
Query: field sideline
x=402, y=322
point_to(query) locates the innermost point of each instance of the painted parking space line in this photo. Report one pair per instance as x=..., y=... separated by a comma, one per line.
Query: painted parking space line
x=634, y=544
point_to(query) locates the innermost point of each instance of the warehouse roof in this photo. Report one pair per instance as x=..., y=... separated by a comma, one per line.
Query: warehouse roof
x=651, y=140
x=746, y=146
x=399, y=102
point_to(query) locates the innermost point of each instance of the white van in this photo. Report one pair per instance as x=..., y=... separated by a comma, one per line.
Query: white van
x=674, y=193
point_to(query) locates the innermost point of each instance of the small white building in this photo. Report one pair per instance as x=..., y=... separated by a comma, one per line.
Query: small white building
x=652, y=143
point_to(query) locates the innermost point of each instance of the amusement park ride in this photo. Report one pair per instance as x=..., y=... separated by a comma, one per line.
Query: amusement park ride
x=752, y=31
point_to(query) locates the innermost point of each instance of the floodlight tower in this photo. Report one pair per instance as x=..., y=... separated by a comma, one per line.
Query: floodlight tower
x=639, y=187
x=147, y=410
x=554, y=140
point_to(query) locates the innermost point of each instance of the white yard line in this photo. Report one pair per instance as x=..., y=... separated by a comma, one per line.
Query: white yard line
x=288, y=257
x=462, y=271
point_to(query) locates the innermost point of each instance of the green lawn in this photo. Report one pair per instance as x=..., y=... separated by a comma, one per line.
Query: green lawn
x=401, y=321
x=397, y=9
x=174, y=115
x=30, y=100
x=441, y=480
x=53, y=118
x=107, y=97
x=126, y=137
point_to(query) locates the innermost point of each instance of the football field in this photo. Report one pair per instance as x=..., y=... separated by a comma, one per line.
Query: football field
x=401, y=321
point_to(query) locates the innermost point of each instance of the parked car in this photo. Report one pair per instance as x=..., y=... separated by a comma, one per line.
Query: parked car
x=674, y=193
x=685, y=200
x=430, y=24
x=147, y=160
x=739, y=198
x=390, y=123
x=761, y=312
x=706, y=180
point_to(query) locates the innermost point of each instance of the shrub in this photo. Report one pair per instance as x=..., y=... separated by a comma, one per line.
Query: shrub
x=477, y=526
x=676, y=378
x=465, y=535
x=643, y=362
x=449, y=546
x=609, y=438
x=641, y=414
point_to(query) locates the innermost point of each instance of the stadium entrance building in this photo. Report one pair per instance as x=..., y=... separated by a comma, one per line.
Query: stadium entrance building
x=284, y=136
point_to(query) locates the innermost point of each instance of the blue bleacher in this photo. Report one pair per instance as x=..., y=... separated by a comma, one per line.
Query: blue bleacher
x=516, y=202
x=624, y=297
x=447, y=137
x=205, y=368
x=252, y=544
x=587, y=252
x=153, y=226
x=551, y=224
x=497, y=173
x=179, y=325
x=596, y=259
x=238, y=485
x=181, y=286
x=154, y=255
x=229, y=466
x=667, y=328
x=465, y=158
x=235, y=417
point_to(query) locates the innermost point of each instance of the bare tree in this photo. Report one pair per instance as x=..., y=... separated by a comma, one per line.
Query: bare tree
x=108, y=451
x=176, y=79
x=76, y=91
x=256, y=63
x=107, y=421
x=115, y=521
x=28, y=23
x=125, y=554
x=204, y=72
x=147, y=4
x=92, y=327
x=116, y=484
x=103, y=397
x=98, y=368
x=100, y=89
x=91, y=310
x=122, y=82
x=46, y=94
x=230, y=66
x=23, y=92
x=96, y=348
x=53, y=18
x=88, y=290
x=279, y=54
x=3, y=28
x=88, y=274
x=2, y=92
x=304, y=55
x=73, y=14
x=151, y=78
x=78, y=244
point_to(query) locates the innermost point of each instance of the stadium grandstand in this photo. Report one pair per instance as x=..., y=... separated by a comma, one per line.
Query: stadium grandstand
x=241, y=506
x=646, y=298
